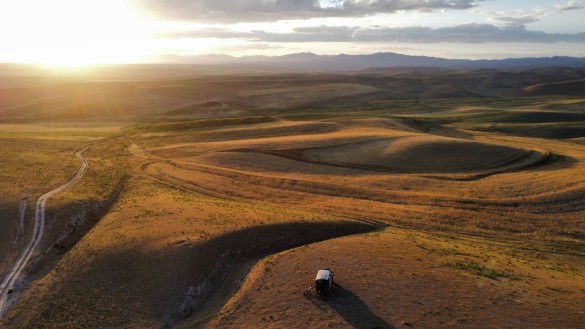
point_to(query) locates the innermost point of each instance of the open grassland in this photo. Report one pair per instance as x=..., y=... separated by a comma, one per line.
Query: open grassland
x=430, y=174
x=398, y=168
x=164, y=251
x=80, y=132
x=36, y=164
x=33, y=99
x=28, y=168
x=473, y=220
x=407, y=279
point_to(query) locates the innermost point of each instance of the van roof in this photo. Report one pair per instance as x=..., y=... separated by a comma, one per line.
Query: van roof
x=323, y=275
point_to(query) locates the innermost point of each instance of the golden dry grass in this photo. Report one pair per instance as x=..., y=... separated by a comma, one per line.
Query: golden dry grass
x=401, y=279
x=299, y=95
x=487, y=227
x=157, y=242
x=506, y=176
x=30, y=167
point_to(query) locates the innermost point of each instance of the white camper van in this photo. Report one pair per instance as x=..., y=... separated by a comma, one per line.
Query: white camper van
x=323, y=282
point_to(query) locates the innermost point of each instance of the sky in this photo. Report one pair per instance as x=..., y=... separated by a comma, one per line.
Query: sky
x=85, y=32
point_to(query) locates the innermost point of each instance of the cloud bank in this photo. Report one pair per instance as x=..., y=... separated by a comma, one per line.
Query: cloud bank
x=520, y=18
x=224, y=11
x=288, y=24
x=465, y=33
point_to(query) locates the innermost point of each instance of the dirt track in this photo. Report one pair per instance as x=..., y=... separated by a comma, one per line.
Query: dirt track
x=8, y=282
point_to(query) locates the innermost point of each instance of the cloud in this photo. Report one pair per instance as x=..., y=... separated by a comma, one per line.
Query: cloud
x=386, y=6
x=514, y=21
x=250, y=46
x=273, y=10
x=569, y=5
x=519, y=18
x=466, y=33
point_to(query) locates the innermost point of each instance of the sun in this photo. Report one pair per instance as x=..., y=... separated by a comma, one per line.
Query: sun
x=72, y=32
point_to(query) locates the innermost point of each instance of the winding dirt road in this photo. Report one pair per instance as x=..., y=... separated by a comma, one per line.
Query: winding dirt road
x=20, y=263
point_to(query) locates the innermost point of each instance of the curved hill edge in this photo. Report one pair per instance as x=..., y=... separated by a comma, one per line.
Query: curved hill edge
x=571, y=88
x=524, y=158
x=201, y=301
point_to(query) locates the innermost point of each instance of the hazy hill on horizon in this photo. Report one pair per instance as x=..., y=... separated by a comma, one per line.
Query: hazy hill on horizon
x=175, y=66
x=300, y=62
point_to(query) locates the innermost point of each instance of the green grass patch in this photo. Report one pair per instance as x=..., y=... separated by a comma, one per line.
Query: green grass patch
x=478, y=269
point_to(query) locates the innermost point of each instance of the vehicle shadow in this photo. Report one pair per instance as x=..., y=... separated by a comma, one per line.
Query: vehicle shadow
x=354, y=310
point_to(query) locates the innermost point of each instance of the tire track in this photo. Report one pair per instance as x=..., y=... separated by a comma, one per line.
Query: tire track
x=13, y=274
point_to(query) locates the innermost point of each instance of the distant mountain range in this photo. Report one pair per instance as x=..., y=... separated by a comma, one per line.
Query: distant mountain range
x=338, y=63
x=174, y=66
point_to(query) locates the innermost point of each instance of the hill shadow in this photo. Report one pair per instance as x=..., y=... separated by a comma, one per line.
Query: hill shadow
x=354, y=310
x=176, y=283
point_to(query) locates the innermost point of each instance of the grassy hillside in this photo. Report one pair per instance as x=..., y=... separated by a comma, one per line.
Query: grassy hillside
x=36, y=159
x=95, y=96
x=433, y=212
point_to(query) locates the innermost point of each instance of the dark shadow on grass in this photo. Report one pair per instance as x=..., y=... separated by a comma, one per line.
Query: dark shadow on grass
x=354, y=310
x=184, y=281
